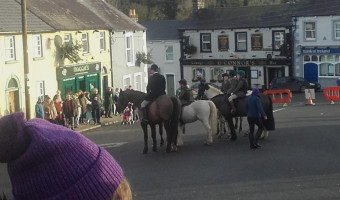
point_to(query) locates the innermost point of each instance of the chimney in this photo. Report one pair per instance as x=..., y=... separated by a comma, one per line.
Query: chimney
x=197, y=4
x=132, y=15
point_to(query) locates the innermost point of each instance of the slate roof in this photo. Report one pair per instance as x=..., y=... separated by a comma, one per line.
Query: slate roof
x=10, y=19
x=81, y=15
x=162, y=30
x=258, y=16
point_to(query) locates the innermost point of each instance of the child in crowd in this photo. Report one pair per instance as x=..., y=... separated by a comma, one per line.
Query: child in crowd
x=127, y=116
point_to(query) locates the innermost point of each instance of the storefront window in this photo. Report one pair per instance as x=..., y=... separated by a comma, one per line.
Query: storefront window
x=322, y=58
x=216, y=74
x=198, y=73
x=327, y=69
x=315, y=58
x=337, y=69
x=306, y=58
x=330, y=58
x=337, y=58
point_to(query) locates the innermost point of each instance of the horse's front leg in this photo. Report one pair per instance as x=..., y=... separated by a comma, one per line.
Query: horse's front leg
x=145, y=131
x=180, y=134
x=232, y=128
x=168, y=136
x=153, y=135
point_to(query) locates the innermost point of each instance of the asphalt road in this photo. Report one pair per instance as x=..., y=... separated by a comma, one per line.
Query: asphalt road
x=299, y=160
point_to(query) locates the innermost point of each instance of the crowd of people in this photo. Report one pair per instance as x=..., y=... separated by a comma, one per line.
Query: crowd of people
x=78, y=108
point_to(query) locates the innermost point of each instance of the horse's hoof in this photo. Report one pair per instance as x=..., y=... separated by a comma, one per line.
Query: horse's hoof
x=162, y=143
x=174, y=149
x=233, y=138
x=154, y=149
x=145, y=151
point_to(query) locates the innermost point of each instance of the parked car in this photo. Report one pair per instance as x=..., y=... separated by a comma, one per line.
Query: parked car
x=338, y=82
x=294, y=84
x=195, y=86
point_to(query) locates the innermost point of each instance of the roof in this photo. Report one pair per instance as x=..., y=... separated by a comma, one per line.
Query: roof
x=81, y=15
x=162, y=30
x=10, y=19
x=258, y=16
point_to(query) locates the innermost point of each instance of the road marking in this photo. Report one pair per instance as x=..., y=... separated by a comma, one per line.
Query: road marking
x=113, y=145
x=279, y=109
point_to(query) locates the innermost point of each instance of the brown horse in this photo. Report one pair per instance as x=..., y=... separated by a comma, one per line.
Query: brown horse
x=165, y=109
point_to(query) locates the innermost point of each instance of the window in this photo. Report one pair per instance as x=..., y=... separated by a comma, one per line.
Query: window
x=67, y=37
x=37, y=50
x=241, y=41
x=223, y=43
x=169, y=53
x=216, y=74
x=337, y=69
x=85, y=42
x=322, y=58
x=327, y=69
x=129, y=50
x=278, y=39
x=138, y=81
x=205, y=42
x=337, y=30
x=306, y=58
x=9, y=48
x=310, y=31
x=102, y=41
x=126, y=81
x=315, y=58
x=198, y=73
x=40, y=90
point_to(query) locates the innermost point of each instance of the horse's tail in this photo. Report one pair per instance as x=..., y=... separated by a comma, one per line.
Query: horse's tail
x=213, y=117
x=270, y=122
x=175, y=114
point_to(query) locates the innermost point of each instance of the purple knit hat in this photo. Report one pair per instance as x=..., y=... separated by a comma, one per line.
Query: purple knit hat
x=47, y=161
x=255, y=91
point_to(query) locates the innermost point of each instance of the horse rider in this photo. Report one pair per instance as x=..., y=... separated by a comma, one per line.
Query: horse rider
x=200, y=88
x=226, y=83
x=185, y=95
x=239, y=91
x=154, y=89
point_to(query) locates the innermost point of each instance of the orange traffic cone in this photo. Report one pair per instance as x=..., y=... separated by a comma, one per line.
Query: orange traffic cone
x=310, y=101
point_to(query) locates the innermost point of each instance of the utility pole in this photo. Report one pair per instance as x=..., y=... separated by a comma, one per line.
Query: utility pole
x=25, y=54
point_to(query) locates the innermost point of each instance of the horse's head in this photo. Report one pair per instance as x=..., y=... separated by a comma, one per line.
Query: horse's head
x=123, y=101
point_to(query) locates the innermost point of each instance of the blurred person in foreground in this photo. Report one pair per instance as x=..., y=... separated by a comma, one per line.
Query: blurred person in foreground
x=47, y=161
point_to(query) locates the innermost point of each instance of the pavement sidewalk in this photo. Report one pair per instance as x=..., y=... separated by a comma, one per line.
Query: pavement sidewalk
x=104, y=122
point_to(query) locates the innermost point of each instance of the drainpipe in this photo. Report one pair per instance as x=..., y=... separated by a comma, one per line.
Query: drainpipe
x=182, y=53
x=293, y=45
x=111, y=58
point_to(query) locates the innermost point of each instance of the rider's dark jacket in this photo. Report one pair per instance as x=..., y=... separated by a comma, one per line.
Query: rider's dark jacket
x=225, y=86
x=241, y=88
x=186, y=96
x=156, y=87
x=233, y=85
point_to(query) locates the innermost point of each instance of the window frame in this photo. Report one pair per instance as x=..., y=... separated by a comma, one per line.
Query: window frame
x=274, y=39
x=169, y=53
x=129, y=36
x=202, y=43
x=335, y=29
x=128, y=76
x=37, y=46
x=102, y=41
x=70, y=37
x=87, y=50
x=139, y=74
x=11, y=47
x=237, y=41
x=41, y=89
x=305, y=31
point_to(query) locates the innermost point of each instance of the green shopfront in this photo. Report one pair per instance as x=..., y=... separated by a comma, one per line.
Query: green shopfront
x=83, y=77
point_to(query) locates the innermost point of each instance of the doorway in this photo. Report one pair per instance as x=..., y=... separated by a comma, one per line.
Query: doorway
x=170, y=84
x=13, y=94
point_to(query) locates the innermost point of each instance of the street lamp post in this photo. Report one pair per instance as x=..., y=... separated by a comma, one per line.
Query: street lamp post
x=25, y=54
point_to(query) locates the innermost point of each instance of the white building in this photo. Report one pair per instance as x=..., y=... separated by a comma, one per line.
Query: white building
x=164, y=46
x=317, y=44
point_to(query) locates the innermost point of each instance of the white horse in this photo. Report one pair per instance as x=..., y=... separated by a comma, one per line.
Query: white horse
x=203, y=110
x=212, y=92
